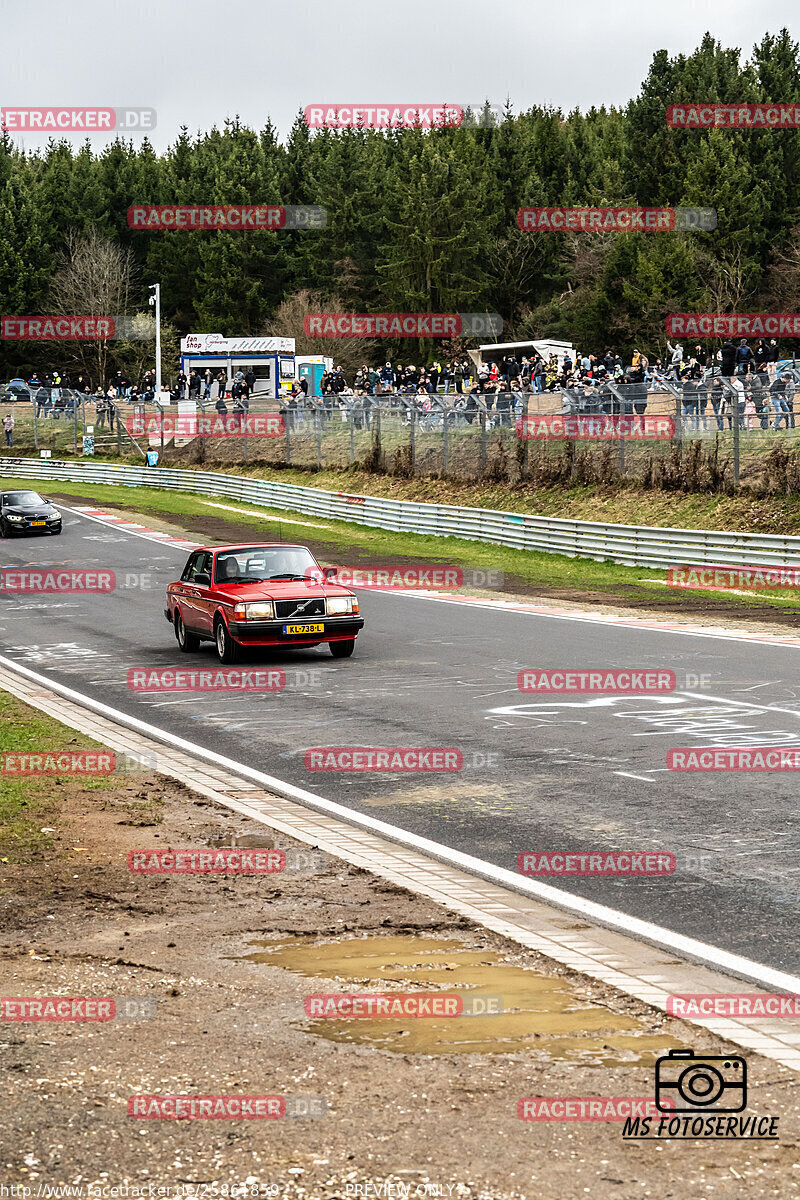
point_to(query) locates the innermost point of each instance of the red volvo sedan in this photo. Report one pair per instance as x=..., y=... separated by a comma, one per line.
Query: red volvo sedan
x=267, y=594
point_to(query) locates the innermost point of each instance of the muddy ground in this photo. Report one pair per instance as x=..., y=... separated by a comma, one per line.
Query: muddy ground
x=77, y=922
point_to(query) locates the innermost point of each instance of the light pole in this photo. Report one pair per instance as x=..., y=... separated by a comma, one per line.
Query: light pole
x=155, y=299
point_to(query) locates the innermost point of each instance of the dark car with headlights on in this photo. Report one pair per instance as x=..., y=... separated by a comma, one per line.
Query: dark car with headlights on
x=21, y=511
x=268, y=594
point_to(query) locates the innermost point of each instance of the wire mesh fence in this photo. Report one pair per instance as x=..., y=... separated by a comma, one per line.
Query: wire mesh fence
x=708, y=434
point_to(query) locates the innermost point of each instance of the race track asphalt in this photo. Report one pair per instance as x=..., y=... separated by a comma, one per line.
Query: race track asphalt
x=549, y=773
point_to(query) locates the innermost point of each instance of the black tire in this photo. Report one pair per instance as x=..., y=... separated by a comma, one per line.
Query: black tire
x=56, y=532
x=227, y=648
x=188, y=642
x=343, y=649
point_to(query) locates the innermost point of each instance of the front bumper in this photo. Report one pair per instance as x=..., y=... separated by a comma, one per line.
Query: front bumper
x=30, y=527
x=270, y=633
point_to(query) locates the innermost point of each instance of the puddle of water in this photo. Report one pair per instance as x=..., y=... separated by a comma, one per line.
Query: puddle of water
x=539, y=1013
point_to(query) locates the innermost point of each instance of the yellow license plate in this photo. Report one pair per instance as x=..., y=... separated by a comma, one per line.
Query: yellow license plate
x=38, y=523
x=304, y=629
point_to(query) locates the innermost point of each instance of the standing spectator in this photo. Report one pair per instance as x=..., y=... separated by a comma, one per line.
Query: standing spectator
x=771, y=359
x=8, y=428
x=207, y=379
x=744, y=358
x=387, y=378
x=447, y=377
x=433, y=377
x=728, y=358
x=250, y=380
x=458, y=377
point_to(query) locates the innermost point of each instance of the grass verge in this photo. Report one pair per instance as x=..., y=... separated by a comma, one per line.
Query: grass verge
x=29, y=804
x=556, y=575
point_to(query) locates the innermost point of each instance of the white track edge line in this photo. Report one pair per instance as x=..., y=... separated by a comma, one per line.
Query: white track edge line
x=656, y=935
x=490, y=605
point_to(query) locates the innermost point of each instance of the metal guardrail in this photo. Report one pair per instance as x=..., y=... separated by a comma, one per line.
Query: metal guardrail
x=631, y=545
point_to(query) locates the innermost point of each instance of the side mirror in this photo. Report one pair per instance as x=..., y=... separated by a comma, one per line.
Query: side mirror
x=329, y=573
x=203, y=577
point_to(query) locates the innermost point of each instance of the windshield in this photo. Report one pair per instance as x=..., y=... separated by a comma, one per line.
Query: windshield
x=256, y=564
x=22, y=499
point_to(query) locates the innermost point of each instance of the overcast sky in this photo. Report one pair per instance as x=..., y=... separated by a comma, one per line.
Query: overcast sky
x=200, y=61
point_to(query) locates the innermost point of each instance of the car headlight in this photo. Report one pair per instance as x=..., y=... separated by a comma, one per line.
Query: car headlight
x=11, y=517
x=55, y=515
x=339, y=606
x=257, y=610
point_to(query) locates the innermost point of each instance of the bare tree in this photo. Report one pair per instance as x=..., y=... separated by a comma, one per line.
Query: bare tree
x=725, y=279
x=782, y=283
x=351, y=353
x=95, y=279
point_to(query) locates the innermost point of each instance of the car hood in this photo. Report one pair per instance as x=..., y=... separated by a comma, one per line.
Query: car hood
x=38, y=510
x=286, y=589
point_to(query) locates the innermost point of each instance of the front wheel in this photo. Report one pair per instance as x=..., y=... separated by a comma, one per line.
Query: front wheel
x=227, y=648
x=188, y=642
x=343, y=649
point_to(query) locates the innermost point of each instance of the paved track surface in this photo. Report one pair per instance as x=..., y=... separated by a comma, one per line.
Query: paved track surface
x=577, y=773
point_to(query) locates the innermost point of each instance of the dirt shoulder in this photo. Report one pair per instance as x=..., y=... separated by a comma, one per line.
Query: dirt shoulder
x=228, y=1020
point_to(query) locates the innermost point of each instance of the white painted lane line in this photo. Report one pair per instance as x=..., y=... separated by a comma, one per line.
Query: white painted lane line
x=630, y=775
x=267, y=514
x=691, y=948
x=624, y=623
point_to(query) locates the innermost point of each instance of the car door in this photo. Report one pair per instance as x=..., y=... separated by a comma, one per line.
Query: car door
x=188, y=592
x=201, y=593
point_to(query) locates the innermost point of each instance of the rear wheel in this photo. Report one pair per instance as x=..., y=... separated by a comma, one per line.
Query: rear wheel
x=227, y=648
x=343, y=649
x=188, y=642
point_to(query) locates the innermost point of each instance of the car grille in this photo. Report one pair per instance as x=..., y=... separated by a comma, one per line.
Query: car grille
x=300, y=608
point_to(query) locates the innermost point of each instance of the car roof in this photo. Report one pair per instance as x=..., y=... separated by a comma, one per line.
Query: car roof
x=254, y=546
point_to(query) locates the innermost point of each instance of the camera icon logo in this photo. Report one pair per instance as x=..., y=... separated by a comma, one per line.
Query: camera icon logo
x=710, y=1082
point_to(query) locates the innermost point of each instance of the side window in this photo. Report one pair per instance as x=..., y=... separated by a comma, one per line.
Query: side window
x=203, y=564
x=191, y=567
